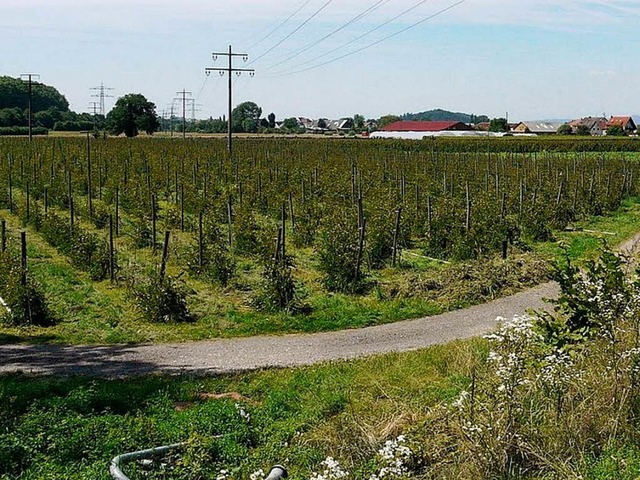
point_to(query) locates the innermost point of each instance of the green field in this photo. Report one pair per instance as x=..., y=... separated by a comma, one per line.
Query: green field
x=446, y=216
x=457, y=210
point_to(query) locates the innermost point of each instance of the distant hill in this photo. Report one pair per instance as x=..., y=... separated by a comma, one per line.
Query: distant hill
x=439, y=115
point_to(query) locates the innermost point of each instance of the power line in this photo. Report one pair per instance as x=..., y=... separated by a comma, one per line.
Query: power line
x=229, y=70
x=377, y=42
x=326, y=4
x=361, y=15
x=367, y=33
x=202, y=87
x=279, y=26
x=94, y=106
x=102, y=95
x=183, y=96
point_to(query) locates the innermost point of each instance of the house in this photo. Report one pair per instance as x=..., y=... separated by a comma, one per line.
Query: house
x=597, y=125
x=305, y=122
x=627, y=123
x=427, y=127
x=419, y=130
x=537, y=127
x=342, y=125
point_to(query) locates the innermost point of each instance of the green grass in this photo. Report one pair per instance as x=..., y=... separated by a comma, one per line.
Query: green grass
x=582, y=245
x=71, y=428
x=54, y=428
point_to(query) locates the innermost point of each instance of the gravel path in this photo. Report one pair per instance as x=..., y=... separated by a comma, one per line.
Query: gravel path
x=231, y=355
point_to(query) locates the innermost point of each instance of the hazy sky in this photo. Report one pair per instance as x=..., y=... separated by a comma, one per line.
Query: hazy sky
x=532, y=58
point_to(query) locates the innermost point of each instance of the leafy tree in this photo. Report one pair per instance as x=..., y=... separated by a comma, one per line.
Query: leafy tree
x=387, y=120
x=583, y=130
x=272, y=120
x=358, y=122
x=249, y=125
x=565, y=129
x=322, y=123
x=246, y=111
x=499, y=125
x=290, y=123
x=133, y=113
x=616, y=131
x=14, y=92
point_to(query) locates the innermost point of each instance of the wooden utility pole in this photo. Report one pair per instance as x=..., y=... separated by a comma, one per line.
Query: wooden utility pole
x=229, y=70
x=29, y=77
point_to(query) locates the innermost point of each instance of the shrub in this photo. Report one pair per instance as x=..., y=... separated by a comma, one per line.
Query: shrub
x=337, y=249
x=161, y=300
x=278, y=290
x=25, y=304
x=557, y=388
x=90, y=253
x=56, y=231
x=217, y=262
x=101, y=214
x=142, y=232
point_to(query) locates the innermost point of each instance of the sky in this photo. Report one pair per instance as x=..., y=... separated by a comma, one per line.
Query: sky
x=530, y=59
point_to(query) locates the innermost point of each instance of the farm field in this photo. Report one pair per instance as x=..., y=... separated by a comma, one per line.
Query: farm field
x=294, y=235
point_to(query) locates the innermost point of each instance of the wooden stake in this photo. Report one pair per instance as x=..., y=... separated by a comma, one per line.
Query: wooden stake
x=3, y=235
x=23, y=257
x=396, y=234
x=112, y=262
x=360, y=247
x=165, y=255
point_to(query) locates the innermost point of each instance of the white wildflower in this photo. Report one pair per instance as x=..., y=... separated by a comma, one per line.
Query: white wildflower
x=257, y=475
x=332, y=470
x=243, y=413
x=222, y=475
x=395, y=455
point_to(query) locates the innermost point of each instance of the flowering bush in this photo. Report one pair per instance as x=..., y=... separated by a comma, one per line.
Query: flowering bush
x=332, y=470
x=395, y=460
x=556, y=386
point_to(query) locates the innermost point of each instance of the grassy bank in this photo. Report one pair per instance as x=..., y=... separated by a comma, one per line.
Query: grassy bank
x=55, y=428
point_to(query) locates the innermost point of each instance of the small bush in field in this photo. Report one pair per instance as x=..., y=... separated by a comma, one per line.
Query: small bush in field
x=24, y=305
x=56, y=231
x=141, y=232
x=217, y=263
x=100, y=215
x=278, y=291
x=172, y=216
x=250, y=235
x=90, y=253
x=161, y=300
x=337, y=248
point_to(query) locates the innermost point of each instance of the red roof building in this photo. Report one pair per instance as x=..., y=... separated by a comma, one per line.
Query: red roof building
x=627, y=123
x=426, y=127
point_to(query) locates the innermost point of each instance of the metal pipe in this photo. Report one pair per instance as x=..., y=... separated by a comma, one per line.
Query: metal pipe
x=118, y=474
x=277, y=472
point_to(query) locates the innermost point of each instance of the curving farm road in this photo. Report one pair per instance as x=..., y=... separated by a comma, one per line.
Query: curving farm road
x=231, y=355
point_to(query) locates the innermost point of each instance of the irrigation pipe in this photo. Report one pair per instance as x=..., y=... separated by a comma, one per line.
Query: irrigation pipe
x=277, y=471
x=118, y=474
x=427, y=258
